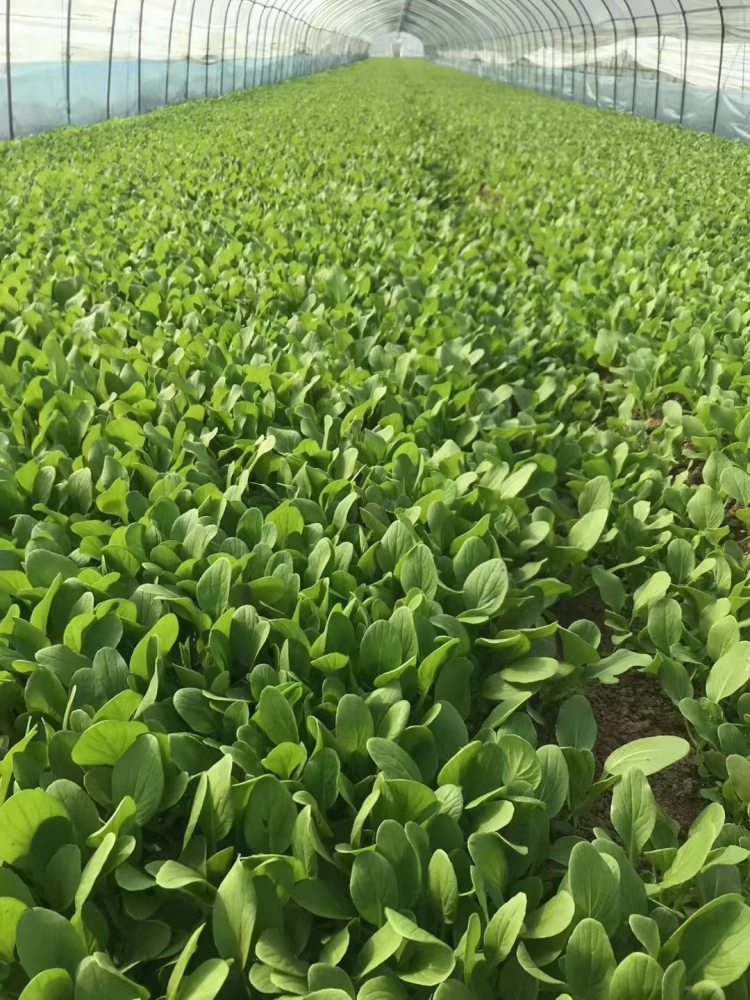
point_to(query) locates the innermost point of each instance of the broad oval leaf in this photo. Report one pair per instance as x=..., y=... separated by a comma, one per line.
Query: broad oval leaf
x=21, y=817
x=730, y=672
x=485, y=588
x=105, y=743
x=46, y=940
x=649, y=754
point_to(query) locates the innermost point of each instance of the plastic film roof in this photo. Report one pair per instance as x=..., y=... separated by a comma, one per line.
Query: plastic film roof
x=445, y=24
x=37, y=27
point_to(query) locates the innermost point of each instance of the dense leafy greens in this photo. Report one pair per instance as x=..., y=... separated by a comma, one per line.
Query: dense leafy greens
x=316, y=403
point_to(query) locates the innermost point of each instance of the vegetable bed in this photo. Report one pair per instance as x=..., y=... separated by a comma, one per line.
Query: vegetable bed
x=352, y=432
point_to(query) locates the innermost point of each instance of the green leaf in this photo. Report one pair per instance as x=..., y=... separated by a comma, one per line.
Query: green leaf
x=576, y=725
x=106, y=742
x=633, y=811
x=714, y=942
x=382, y=987
x=665, y=624
x=392, y=760
x=419, y=571
x=234, y=914
x=649, y=754
x=46, y=940
x=680, y=559
x=6, y=764
x=113, y=500
x=736, y=484
x=433, y=663
x=217, y=812
x=21, y=817
x=589, y=961
x=729, y=673
x=738, y=769
x=44, y=693
x=373, y=887
x=97, y=978
x=287, y=521
x=488, y=854
x=380, y=650
x=182, y=962
x=651, y=591
x=442, y=887
x=354, y=725
x=205, y=982
x=322, y=899
x=503, y=929
x=276, y=717
x=93, y=869
x=173, y=875
x=647, y=932
x=11, y=910
x=275, y=948
x=595, y=890
x=451, y=989
x=156, y=642
x=610, y=588
x=285, y=759
x=485, y=588
x=705, y=509
x=213, y=588
x=52, y=984
x=408, y=859
x=396, y=543
x=637, y=977
x=119, y=820
x=692, y=855
x=62, y=875
x=321, y=777
x=323, y=976
x=43, y=565
x=587, y=531
x=429, y=961
x=12, y=886
x=139, y=773
x=595, y=495
x=551, y=919
x=270, y=816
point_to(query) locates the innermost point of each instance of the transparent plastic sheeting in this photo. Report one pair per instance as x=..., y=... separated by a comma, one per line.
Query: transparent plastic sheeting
x=667, y=95
x=77, y=62
x=680, y=61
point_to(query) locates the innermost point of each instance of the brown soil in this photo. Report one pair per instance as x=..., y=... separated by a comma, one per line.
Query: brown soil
x=486, y=194
x=694, y=471
x=588, y=606
x=695, y=476
x=654, y=423
x=630, y=710
x=730, y=509
x=633, y=708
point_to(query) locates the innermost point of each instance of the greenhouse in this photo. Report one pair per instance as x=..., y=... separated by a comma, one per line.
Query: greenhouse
x=374, y=500
x=80, y=61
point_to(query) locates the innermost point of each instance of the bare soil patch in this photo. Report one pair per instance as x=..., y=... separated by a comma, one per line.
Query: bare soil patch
x=632, y=709
x=629, y=710
x=590, y=607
